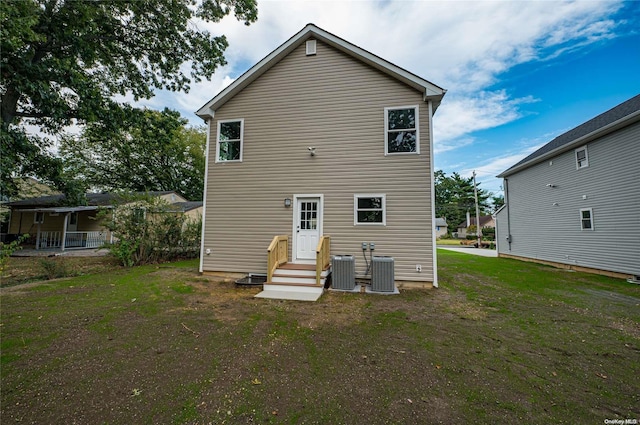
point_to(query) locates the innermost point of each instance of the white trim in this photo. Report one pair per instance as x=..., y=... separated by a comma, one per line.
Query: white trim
x=218, y=141
x=35, y=217
x=386, y=129
x=369, y=195
x=294, y=239
x=433, y=200
x=430, y=91
x=601, y=132
x=310, y=47
x=204, y=196
x=586, y=157
x=590, y=219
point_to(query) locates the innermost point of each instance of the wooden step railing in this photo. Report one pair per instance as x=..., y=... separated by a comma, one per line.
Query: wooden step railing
x=277, y=254
x=322, y=256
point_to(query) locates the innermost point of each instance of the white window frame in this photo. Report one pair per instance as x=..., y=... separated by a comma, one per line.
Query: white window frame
x=585, y=163
x=35, y=217
x=310, y=47
x=386, y=129
x=218, y=141
x=369, y=195
x=590, y=219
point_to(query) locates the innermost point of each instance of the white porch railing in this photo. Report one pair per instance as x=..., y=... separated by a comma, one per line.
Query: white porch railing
x=72, y=240
x=85, y=239
x=50, y=240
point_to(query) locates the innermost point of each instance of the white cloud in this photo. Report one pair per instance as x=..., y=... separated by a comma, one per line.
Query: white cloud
x=462, y=46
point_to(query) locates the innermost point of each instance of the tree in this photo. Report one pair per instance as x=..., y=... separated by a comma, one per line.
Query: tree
x=149, y=151
x=454, y=197
x=497, y=202
x=63, y=62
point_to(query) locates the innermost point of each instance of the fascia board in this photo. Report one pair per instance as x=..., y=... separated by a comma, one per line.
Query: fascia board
x=602, y=131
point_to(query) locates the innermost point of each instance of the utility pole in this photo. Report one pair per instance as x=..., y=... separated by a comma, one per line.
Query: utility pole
x=475, y=195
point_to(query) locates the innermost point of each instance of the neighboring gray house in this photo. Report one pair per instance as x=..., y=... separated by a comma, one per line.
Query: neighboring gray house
x=441, y=227
x=319, y=148
x=575, y=202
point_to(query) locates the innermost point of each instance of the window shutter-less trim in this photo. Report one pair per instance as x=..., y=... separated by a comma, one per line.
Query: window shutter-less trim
x=311, y=47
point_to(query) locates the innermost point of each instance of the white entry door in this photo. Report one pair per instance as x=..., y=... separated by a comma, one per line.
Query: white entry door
x=72, y=226
x=308, y=227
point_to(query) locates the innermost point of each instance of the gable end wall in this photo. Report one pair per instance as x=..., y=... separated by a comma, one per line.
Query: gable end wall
x=336, y=104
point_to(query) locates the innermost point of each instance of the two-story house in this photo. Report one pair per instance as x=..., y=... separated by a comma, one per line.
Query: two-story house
x=319, y=148
x=575, y=202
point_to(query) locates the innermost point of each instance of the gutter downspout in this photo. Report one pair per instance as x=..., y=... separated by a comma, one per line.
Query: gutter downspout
x=433, y=198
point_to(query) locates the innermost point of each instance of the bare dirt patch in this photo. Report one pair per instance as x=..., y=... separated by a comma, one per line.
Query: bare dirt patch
x=162, y=344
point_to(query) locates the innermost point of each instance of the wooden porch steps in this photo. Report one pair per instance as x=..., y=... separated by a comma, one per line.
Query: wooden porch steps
x=295, y=282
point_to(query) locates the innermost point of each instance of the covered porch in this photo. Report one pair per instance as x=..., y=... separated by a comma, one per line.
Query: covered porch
x=63, y=228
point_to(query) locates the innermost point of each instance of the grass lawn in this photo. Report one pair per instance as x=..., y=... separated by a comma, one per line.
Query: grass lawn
x=448, y=242
x=501, y=341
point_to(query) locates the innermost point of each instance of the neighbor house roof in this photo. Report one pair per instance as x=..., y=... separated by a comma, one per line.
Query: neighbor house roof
x=430, y=91
x=187, y=206
x=93, y=199
x=611, y=120
x=484, y=220
x=440, y=221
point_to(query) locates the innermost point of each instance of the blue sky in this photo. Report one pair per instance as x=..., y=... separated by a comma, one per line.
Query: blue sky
x=518, y=74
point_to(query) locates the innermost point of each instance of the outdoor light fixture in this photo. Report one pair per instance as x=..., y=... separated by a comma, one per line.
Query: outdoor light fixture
x=287, y=202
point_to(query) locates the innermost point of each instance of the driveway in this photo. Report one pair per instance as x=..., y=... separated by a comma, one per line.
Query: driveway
x=483, y=252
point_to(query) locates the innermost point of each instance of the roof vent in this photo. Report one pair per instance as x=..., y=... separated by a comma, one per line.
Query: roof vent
x=311, y=47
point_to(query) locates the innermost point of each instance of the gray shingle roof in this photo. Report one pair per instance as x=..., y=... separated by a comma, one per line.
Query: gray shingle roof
x=93, y=199
x=188, y=206
x=609, y=117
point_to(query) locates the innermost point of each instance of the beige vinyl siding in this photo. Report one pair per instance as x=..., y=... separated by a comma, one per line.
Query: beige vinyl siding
x=87, y=222
x=336, y=104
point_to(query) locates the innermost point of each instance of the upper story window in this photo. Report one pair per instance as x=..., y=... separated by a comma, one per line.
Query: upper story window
x=586, y=219
x=369, y=209
x=401, y=130
x=38, y=217
x=582, y=158
x=229, y=142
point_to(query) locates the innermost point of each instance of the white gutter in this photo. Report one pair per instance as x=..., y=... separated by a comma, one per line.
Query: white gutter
x=622, y=122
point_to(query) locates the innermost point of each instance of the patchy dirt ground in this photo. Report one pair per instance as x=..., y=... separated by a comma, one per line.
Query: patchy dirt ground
x=21, y=270
x=161, y=344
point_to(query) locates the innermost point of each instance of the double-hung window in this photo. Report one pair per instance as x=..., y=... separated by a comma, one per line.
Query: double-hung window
x=582, y=158
x=586, y=219
x=401, y=130
x=369, y=209
x=38, y=217
x=229, y=142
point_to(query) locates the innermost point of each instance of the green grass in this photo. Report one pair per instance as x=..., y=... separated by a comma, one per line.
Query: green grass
x=448, y=242
x=501, y=341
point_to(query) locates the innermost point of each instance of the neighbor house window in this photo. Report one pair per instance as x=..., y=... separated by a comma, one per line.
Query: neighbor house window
x=38, y=217
x=229, y=145
x=401, y=130
x=582, y=158
x=369, y=209
x=586, y=219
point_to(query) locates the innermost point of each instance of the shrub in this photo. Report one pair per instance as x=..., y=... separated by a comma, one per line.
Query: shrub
x=54, y=268
x=152, y=231
x=7, y=249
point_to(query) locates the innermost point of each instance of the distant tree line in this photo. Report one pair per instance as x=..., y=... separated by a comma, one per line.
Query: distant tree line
x=454, y=197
